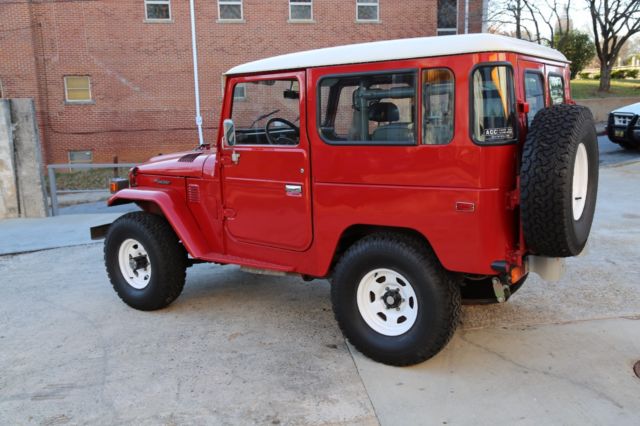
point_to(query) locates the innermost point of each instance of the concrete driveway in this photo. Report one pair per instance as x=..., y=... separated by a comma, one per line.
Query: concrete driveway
x=245, y=349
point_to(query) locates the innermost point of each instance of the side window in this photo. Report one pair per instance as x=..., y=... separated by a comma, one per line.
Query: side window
x=267, y=112
x=556, y=89
x=373, y=109
x=437, y=106
x=534, y=92
x=493, y=115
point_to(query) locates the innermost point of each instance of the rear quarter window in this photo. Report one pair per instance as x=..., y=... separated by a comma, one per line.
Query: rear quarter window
x=493, y=118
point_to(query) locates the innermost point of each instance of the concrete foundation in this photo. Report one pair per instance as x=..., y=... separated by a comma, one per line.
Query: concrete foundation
x=22, y=188
x=8, y=186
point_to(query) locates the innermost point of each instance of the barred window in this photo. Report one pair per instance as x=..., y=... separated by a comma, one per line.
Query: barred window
x=300, y=10
x=230, y=10
x=367, y=10
x=157, y=10
x=447, y=17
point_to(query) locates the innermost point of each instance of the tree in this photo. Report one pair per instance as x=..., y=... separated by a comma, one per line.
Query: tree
x=614, y=22
x=577, y=47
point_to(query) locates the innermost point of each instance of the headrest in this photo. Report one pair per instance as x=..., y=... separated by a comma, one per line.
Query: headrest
x=384, y=111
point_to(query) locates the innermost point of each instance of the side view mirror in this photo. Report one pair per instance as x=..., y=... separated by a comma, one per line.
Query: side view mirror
x=229, y=132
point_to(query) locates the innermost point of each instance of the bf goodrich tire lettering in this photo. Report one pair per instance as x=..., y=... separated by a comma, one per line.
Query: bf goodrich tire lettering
x=552, y=162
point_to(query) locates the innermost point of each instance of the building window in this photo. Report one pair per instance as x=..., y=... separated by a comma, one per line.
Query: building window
x=77, y=89
x=370, y=109
x=1, y=90
x=230, y=10
x=556, y=89
x=300, y=10
x=367, y=10
x=437, y=106
x=157, y=10
x=493, y=107
x=240, y=92
x=76, y=157
x=447, y=17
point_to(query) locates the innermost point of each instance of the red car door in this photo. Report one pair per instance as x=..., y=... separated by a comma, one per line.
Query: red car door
x=266, y=183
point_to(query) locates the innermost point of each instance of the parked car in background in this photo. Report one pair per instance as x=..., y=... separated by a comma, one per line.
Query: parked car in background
x=624, y=127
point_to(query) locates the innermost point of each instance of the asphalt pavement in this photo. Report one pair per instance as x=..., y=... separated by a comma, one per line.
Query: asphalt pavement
x=612, y=154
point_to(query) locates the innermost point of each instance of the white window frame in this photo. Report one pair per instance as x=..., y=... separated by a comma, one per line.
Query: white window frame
x=74, y=101
x=89, y=151
x=308, y=4
x=375, y=3
x=438, y=30
x=231, y=3
x=146, y=16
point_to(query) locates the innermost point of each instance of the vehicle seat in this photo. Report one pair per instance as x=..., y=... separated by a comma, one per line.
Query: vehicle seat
x=393, y=131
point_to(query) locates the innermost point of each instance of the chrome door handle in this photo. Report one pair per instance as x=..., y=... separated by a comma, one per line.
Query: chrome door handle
x=235, y=157
x=293, y=189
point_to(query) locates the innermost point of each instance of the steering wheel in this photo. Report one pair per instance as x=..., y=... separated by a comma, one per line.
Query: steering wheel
x=281, y=140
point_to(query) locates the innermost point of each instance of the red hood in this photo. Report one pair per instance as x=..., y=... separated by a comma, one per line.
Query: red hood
x=185, y=164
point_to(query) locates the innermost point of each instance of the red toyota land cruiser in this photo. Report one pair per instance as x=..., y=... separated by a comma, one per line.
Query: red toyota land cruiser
x=415, y=174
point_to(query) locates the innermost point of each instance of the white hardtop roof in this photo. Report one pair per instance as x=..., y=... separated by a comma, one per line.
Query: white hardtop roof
x=407, y=48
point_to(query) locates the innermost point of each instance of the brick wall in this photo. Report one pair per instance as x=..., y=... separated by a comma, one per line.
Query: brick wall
x=141, y=73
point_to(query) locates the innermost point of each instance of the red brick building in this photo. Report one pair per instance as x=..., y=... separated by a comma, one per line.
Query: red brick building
x=115, y=77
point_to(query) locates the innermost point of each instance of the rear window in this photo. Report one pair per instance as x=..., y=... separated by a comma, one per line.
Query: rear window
x=370, y=109
x=556, y=89
x=493, y=116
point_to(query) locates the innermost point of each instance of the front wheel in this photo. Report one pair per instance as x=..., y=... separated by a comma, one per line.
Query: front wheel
x=145, y=261
x=393, y=300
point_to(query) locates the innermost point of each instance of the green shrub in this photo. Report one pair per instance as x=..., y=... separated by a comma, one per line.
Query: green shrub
x=596, y=76
x=618, y=74
x=584, y=75
x=633, y=73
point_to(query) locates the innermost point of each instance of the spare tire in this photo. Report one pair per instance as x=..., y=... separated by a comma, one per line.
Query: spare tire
x=559, y=180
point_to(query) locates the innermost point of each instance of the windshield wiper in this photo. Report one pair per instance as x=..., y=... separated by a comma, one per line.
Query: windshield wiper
x=263, y=116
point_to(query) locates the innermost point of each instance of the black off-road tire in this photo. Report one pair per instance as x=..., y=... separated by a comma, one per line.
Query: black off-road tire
x=437, y=292
x=165, y=253
x=546, y=180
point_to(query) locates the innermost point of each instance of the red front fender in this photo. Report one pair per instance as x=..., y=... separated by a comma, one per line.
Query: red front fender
x=173, y=207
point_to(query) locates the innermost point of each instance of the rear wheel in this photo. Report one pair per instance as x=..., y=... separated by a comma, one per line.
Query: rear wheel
x=393, y=300
x=145, y=261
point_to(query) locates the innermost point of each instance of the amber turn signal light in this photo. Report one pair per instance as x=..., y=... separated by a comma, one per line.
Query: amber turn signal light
x=116, y=184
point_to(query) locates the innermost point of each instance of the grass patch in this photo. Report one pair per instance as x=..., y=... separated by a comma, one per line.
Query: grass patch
x=86, y=179
x=585, y=89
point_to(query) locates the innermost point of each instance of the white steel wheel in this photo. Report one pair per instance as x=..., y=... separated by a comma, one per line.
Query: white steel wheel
x=387, y=302
x=134, y=263
x=580, y=181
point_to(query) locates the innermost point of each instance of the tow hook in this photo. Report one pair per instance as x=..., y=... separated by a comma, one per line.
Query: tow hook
x=501, y=290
